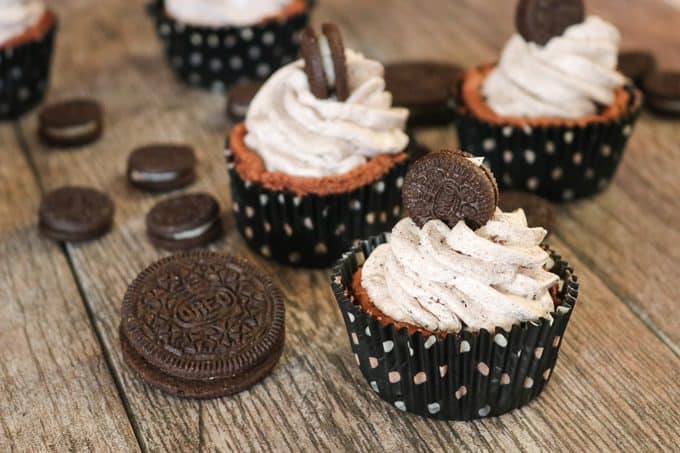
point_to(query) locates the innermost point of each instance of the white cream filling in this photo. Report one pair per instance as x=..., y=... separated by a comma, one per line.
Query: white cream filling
x=144, y=176
x=327, y=60
x=72, y=131
x=193, y=233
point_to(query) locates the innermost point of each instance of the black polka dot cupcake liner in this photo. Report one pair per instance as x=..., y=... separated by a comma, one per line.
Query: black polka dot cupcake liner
x=314, y=231
x=462, y=376
x=24, y=75
x=556, y=162
x=214, y=58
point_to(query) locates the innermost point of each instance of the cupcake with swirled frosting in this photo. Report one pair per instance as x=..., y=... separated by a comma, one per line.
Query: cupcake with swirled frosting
x=27, y=29
x=321, y=156
x=459, y=312
x=554, y=114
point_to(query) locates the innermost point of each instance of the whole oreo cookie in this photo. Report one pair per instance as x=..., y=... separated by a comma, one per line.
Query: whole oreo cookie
x=75, y=122
x=450, y=186
x=337, y=49
x=161, y=167
x=636, y=64
x=663, y=92
x=75, y=214
x=540, y=20
x=184, y=222
x=202, y=325
x=239, y=98
x=311, y=53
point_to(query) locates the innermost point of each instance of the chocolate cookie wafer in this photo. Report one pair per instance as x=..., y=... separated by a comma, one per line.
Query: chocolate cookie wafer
x=75, y=213
x=541, y=20
x=161, y=167
x=70, y=123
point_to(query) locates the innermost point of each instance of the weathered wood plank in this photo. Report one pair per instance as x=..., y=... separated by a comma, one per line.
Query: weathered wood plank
x=56, y=392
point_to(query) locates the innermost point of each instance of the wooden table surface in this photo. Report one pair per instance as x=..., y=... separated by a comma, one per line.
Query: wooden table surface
x=64, y=386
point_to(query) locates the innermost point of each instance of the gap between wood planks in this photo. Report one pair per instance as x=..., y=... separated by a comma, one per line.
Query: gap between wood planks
x=23, y=145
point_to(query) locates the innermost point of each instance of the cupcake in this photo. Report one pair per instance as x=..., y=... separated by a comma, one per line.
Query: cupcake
x=459, y=313
x=554, y=115
x=215, y=43
x=321, y=157
x=27, y=30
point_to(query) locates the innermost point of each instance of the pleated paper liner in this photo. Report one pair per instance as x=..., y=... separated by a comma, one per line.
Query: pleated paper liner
x=461, y=376
x=560, y=163
x=214, y=58
x=24, y=75
x=314, y=231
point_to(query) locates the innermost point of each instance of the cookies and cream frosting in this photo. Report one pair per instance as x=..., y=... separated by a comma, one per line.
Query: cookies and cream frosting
x=448, y=279
x=16, y=16
x=217, y=13
x=296, y=133
x=569, y=77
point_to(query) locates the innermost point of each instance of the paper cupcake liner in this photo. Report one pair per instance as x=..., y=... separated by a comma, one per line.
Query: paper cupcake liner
x=314, y=231
x=215, y=58
x=556, y=162
x=461, y=376
x=24, y=75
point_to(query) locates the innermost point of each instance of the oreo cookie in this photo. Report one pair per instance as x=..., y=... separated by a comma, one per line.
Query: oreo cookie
x=337, y=52
x=311, y=54
x=636, y=64
x=239, y=98
x=325, y=63
x=202, y=325
x=425, y=88
x=663, y=92
x=539, y=212
x=450, y=186
x=75, y=122
x=184, y=222
x=74, y=214
x=541, y=20
x=161, y=167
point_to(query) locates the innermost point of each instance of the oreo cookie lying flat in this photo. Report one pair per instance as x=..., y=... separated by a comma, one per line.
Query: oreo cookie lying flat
x=541, y=20
x=663, y=92
x=636, y=64
x=239, y=98
x=539, y=212
x=75, y=214
x=325, y=63
x=76, y=122
x=202, y=325
x=184, y=222
x=450, y=186
x=161, y=167
x=425, y=88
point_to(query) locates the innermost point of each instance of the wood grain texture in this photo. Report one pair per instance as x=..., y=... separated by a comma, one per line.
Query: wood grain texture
x=56, y=392
x=615, y=386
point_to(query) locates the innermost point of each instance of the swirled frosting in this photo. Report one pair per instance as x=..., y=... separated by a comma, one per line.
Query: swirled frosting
x=18, y=15
x=446, y=279
x=296, y=133
x=217, y=13
x=569, y=77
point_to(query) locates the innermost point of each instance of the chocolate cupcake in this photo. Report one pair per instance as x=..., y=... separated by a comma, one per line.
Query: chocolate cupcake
x=554, y=115
x=215, y=43
x=27, y=30
x=321, y=157
x=448, y=321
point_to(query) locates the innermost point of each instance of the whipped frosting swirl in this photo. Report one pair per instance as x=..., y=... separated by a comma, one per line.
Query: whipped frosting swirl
x=296, y=133
x=446, y=279
x=217, y=13
x=569, y=77
x=18, y=15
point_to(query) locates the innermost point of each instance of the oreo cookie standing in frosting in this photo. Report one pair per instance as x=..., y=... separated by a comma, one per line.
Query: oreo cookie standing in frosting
x=161, y=167
x=540, y=20
x=75, y=214
x=202, y=325
x=76, y=122
x=184, y=222
x=325, y=63
x=450, y=186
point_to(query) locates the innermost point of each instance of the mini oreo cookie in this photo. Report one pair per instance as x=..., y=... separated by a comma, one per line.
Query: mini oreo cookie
x=75, y=122
x=311, y=53
x=161, y=167
x=450, y=186
x=75, y=214
x=239, y=98
x=184, y=222
x=337, y=50
x=636, y=64
x=425, y=88
x=202, y=325
x=539, y=211
x=541, y=20
x=663, y=92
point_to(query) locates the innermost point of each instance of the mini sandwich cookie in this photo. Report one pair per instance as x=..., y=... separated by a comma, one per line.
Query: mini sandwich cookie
x=71, y=123
x=325, y=63
x=184, y=222
x=239, y=98
x=663, y=92
x=637, y=64
x=161, y=167
x=75, y=214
